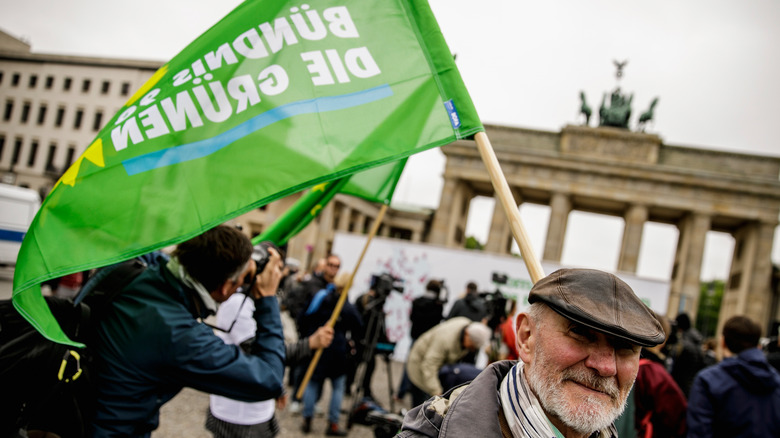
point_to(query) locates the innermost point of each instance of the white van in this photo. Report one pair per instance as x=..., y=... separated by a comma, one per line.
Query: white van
x=18, y=207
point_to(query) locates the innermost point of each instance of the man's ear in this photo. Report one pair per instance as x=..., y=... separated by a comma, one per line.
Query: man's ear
x=525, y=337
x=223, y=292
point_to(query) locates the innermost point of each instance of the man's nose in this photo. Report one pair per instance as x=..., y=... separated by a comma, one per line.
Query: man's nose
x=602, y=359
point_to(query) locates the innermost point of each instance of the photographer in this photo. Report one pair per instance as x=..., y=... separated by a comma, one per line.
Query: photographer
x=152, y=341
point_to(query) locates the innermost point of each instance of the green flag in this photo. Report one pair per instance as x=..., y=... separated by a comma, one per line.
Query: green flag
x=276, y=97
x=302, y=212
x=376, y=184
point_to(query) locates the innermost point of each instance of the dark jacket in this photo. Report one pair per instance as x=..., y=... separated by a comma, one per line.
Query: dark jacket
x=333, y=361
x=739, y=397
x=472, y=306
x=427, y=312
x=473, y=413
x=151, y=345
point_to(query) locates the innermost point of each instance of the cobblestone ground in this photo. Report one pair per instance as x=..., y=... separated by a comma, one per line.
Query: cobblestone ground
x=185, y=415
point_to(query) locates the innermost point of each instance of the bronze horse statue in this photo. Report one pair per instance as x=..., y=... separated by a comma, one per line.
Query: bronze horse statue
x=647, y=116
x=584, y=108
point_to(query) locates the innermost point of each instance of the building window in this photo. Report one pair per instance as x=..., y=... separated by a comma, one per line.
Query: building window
x=9, y=110
x=50, y=157
x=17, y=151
x=125, y=88
x=33, y=81
x=2, y=146
x=49, y=82
x=42, y=114
x=85, y=85
x=105, y=87
x=15, y=79
x=25, y=112
x=69, y=157
x=33, y=153
x=1, y=77
x=60, y=116
x=66, y=84
x=98, y=121
x=78, y=119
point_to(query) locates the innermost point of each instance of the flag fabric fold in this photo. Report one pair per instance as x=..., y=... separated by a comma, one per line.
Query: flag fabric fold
x=276, y=97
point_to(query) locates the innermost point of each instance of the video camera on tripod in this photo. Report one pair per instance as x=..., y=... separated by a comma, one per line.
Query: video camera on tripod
x=385, y=283
x=365, y=410
x=495, y=302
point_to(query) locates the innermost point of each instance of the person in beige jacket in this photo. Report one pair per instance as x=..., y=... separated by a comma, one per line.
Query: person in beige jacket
x=444, y=344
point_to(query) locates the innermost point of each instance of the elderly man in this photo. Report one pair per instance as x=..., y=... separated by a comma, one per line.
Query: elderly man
x=579, y=343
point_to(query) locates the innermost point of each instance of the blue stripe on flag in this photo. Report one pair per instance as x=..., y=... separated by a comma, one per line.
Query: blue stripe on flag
x=12, y=236
x=202, y=148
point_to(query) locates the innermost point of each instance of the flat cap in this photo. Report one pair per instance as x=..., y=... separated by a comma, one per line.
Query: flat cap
x=601, y=301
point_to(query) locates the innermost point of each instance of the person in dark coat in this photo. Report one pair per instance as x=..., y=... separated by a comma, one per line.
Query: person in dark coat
x=685, y=350
x=333, y=362
x=472, y=306
x=740, y=396
x=152, y=342
x=427, y=310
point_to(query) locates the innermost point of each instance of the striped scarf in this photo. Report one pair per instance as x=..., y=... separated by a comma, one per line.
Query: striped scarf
x=523, y=412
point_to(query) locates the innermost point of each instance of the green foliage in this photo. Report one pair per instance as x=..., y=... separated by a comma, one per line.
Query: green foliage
x=473, y=243
x=710, y=298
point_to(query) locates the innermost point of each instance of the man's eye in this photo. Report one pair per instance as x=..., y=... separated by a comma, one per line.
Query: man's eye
x=581, y=332
x=625, y=347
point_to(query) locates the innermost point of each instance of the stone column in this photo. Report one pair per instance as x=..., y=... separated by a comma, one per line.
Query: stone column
x=360, y=223
x=749, y=289
x=560, y=207
x=325, y=233
x=684, y=293
x=344, y=218
x=635, y=218
x=416, y=236
x=500, y=234
x=440, y=228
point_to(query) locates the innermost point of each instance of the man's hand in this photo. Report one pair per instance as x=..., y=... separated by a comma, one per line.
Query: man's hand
x=281, y=402
x=321, y=338
x=267, y=282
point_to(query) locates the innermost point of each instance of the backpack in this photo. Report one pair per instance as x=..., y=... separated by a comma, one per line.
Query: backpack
x=50, y=386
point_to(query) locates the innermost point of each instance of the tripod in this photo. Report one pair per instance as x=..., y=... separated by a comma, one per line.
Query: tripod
x=375, y=326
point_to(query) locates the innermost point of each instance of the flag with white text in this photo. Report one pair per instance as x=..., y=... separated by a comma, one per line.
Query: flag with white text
x=276, y=97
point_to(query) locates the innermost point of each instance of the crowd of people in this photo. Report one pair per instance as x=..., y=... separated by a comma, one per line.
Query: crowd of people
x=576, y=362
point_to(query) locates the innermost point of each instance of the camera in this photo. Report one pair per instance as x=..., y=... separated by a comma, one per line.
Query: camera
x=261, y=255
x=385, y=283
x=500, y=278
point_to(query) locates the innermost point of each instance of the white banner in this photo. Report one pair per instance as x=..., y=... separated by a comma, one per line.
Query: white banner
x=417, y=263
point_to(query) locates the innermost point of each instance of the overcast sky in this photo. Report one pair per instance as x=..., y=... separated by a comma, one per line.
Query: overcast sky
x=714, y=64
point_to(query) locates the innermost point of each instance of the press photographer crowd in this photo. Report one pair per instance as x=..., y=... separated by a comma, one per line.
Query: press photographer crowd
x=583, y=358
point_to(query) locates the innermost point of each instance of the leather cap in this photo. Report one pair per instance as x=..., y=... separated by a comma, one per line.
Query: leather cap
x=601, y=301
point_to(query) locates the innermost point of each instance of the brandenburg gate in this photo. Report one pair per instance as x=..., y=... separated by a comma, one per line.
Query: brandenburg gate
x=637, y=177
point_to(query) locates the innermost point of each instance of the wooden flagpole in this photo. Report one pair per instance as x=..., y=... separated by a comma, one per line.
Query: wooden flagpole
x=501, y=188
x=342, y=299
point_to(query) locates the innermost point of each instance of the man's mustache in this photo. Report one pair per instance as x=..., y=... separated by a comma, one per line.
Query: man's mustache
x=607, y=385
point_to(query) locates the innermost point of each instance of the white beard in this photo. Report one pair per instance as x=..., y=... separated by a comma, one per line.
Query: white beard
x=586, y=414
